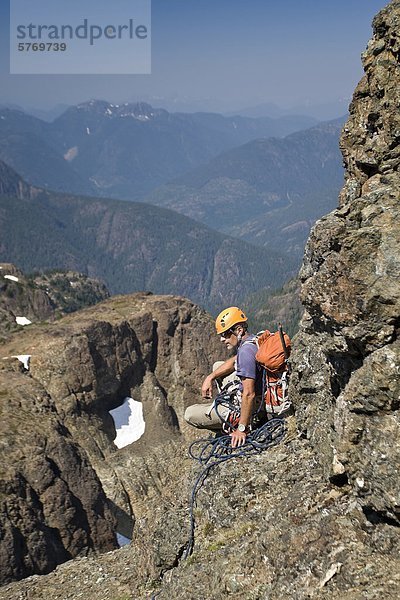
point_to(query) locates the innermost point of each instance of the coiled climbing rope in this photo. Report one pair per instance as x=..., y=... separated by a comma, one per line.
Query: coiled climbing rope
x=213, y=452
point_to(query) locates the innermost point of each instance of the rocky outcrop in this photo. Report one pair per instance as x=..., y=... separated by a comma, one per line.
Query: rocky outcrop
x=348, y=356
x=69, y=291
x=18, y=299
x=43, y=296
x=156, y=349
x=52, y=505
x=11, y=184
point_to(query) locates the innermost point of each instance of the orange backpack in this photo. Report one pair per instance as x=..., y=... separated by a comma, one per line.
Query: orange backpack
x=273, y=353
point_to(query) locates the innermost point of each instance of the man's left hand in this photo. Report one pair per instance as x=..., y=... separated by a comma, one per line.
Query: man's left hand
x=238, y=438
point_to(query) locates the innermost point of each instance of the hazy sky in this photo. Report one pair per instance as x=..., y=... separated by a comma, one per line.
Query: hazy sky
x=235, y=53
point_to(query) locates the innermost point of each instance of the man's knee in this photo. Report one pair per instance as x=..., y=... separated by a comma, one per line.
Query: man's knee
x=217, y=364
x=188, y=416
x=195, y=415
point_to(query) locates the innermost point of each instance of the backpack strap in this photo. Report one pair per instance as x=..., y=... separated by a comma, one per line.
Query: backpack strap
x=254, y=341
x=285, y=350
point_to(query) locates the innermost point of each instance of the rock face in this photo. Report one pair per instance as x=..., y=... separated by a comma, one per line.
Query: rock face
x=11, y=184
x=18, y=299
x=348, y=356
x=52, y=505
x=43, y=296
x=317, y=516
x=56, y=426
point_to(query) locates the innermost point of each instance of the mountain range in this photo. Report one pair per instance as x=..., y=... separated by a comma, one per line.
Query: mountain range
x=268, y=191
x=123, y=151
x=323, y=111
x=132, y=246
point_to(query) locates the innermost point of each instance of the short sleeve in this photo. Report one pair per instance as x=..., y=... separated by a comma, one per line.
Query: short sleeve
x=246, y=361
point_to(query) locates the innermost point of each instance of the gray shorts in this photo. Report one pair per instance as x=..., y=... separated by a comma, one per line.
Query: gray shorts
x=204, y=416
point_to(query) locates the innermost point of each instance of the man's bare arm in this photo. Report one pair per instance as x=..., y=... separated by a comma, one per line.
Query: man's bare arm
x=248, y=395
x=225, y=369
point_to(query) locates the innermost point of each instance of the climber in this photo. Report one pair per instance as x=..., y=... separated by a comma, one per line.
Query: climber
x=231, y=326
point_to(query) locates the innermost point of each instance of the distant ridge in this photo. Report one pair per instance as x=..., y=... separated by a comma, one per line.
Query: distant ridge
x=134, y=247
x=268, y=191
x=123, y=150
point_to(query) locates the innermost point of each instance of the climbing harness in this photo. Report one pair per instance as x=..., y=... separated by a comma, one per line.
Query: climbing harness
x=214, y=451
x=227, y=405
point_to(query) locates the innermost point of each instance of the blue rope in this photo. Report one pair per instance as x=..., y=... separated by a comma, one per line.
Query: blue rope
x=213, y=452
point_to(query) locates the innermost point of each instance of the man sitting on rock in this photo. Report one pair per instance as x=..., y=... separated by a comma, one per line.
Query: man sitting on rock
x=231, y=326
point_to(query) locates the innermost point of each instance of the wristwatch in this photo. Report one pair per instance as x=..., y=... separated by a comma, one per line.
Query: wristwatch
x=242, y=428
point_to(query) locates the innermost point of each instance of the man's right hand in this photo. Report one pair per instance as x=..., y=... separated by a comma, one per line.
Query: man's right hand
x=206, y=388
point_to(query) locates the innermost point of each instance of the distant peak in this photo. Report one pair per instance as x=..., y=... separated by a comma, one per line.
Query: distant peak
x=141, y=111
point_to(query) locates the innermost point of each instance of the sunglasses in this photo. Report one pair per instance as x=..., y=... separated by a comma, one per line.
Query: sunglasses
x=227, y=334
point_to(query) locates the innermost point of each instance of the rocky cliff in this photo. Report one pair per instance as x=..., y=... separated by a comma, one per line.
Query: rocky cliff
x=347, y=361
x=56, y=426
x=318, y=515
x=134, y=246
x=11, y=184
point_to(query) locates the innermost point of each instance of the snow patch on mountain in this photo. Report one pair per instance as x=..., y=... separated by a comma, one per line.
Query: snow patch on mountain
x=24, y=358
x=23, y=321
x=129, y=422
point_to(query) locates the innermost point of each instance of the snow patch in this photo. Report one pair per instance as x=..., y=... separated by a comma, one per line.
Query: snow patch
x=24, y=358
x=12, y=277
x=129, y=422
x=137, y=117
x=122, y=540
x=23, y=321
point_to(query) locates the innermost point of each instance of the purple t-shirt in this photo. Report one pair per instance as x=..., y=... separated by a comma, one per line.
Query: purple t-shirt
x=246, y=364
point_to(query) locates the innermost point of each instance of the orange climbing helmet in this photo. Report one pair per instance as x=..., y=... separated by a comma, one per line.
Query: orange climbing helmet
x=228, y=318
